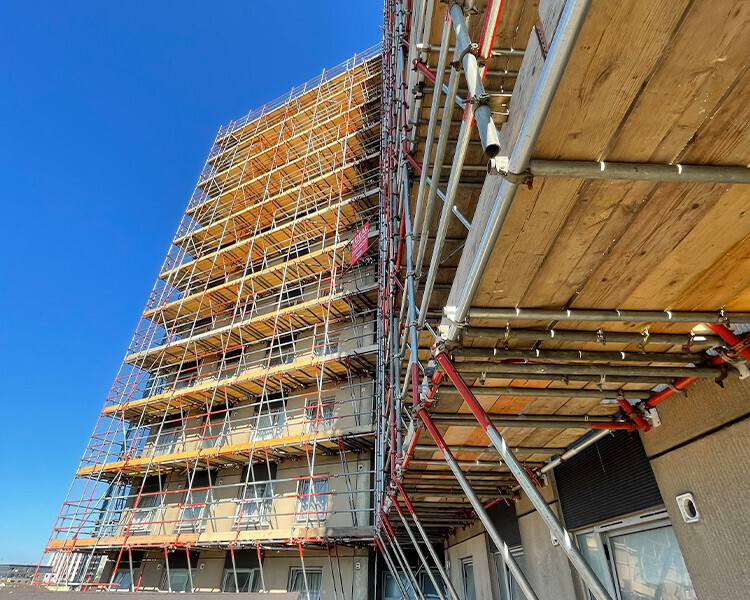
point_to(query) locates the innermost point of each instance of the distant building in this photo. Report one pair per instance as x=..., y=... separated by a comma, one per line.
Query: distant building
x=20, y=573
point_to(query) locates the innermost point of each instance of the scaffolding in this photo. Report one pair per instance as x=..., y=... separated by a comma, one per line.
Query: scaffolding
x=329, y=369
x=482, y=399
x=242, y=417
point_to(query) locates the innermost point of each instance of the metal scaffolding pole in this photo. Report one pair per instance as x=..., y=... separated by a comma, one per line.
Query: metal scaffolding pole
x=576, y=355
x=527, y=485
x=638, y=171
x=610, y=316
x=566, y=34
x=446, y=390
x=401, y=558
x=394, y=572
x=476, y=503
x=600, y=336
x=418, y=549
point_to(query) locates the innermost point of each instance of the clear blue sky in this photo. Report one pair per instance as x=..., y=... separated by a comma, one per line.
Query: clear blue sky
x=108, y=110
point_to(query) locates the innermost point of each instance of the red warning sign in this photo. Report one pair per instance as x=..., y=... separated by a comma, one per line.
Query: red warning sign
x=359, y=242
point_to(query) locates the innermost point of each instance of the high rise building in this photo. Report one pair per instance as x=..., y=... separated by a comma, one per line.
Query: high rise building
x=236, y=448
x=447, y=323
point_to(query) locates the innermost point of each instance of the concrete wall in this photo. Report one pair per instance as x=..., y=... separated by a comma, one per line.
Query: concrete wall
x=208, y=573
x=472, y=543
x=703, y=447
x=546, y=566
x=351, y=406
x=284, y=513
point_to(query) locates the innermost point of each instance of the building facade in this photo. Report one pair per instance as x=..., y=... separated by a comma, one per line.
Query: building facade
x=235, y=451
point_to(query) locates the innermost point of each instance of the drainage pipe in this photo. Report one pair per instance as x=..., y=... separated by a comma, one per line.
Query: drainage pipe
x=477, y=96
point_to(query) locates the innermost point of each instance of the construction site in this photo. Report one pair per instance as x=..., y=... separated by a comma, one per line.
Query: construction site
x=465, y=317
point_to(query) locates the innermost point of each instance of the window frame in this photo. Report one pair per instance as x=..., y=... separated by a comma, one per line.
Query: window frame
x=468, y=562
x=144, y=523
x=310, y=514
x=503, y=575
x=604, y=532
x=194, y=524
x=265, y=503
x=305, y=571
x=325, y=421
x=166, y=580
x=229, y=578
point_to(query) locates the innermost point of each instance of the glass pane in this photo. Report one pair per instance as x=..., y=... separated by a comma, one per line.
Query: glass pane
x=593, y=552
x=314, y=583
x=468, y=575
x=390, y=589
x=500, y=572
x=179, y=579
x=122, y=580
x=650, y=566
x=428, y=589
x=244, y=580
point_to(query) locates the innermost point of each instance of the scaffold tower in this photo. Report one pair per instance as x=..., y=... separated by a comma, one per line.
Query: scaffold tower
x=235, y=450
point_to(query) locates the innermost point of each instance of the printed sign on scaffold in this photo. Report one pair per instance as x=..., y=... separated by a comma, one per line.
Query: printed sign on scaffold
x=359, y=242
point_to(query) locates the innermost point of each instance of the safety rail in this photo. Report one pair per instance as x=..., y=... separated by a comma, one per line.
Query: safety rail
x=327, y=75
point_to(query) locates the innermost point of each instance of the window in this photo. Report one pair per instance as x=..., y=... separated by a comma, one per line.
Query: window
x=167, y=439
x=192, y=514
x=428, y=589
x=254, y=508
x=188, y=374
x=268, y=425
x=154, y=385
x=214, y=434
x=638, y=558
x=123, y=580
x=231, y=363
x=176, y=580
x=282, y=349
x=319, y=415
x=507, y=584
x=312, y=500
x=202, y=324
x=467, y=578
x=291, y=295
x=269, y=422
x=244, y=582
x=325, y=347
x=299, y=249
x=145, y=514
x=391, y=590
x=308, y=581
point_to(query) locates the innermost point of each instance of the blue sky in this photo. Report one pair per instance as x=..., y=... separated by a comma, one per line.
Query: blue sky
x=108, y=110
